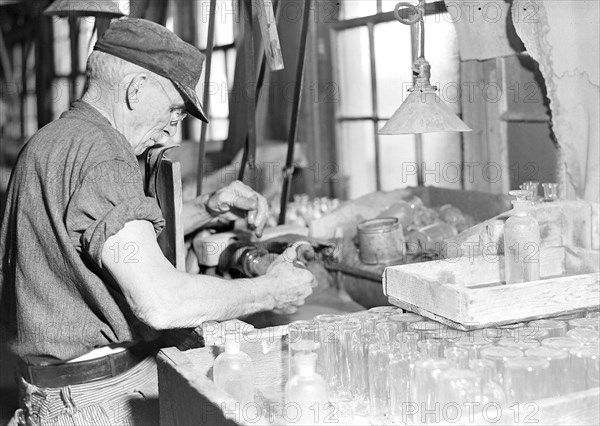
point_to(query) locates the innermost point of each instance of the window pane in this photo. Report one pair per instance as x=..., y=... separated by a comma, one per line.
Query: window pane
x=354, y=73
x=443, y=162
x=357, y=154
x=230, y=56
x=397, y=154
x=87, y=39
x=219, y=107
x=393, y=59
x=224, y=23
x=218, y=129
x=389, y=5
x=62, y=47
x=441, y=50
x=357, y=8
x=225, y=17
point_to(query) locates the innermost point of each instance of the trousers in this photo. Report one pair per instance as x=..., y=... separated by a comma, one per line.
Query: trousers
x=129, y=399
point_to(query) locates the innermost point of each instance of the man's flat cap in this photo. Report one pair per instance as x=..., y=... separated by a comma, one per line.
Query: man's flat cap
x=155, y=48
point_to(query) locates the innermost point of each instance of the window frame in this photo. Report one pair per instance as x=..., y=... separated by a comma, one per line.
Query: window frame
x=431, y=8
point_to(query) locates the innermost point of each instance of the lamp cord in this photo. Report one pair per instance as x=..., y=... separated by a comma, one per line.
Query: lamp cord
x=422, y=27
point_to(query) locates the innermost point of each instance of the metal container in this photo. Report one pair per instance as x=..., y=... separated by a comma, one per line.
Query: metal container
x=381, y=241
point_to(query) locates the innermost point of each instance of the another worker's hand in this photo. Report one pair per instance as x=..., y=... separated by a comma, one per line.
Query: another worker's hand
x=293, y=282
x=238, y=200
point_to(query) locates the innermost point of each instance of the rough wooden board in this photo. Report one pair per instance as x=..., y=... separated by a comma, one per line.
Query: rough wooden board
x=470, y=290
x=579, y=408
x=270, y=37
x=169, y=192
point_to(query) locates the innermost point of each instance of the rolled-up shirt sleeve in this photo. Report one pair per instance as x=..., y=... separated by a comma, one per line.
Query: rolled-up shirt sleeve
x=108, y=196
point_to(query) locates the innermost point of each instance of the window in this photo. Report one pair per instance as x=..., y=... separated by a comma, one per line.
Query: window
x=222, y=68
x=373, y=68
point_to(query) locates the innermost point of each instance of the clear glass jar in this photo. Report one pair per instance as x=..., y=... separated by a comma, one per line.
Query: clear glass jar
x=307, y=392
x=303, y=337
x=585, y=367
x=560, y=375
x=591, y=323
x=490, y=390
x=584, y=335
x=521, y=345
x=233, y=371
x=555, y=328
x=527, y=379
x=329, y=354
x=499, y=355
x=425, y=388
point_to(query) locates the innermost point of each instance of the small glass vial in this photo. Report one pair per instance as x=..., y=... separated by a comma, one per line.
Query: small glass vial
x=233, y=371
x=555, y=328
x=307, y=392
x=550, y=191
x=521, y=243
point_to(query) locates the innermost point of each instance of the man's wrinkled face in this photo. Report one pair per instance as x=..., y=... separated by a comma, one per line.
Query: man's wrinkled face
x=155, y=119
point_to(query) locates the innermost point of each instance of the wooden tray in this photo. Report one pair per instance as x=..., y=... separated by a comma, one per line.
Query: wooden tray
x=469, y=292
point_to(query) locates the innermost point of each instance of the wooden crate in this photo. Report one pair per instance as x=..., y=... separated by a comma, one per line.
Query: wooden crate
x=468, y=292
x=189, y=397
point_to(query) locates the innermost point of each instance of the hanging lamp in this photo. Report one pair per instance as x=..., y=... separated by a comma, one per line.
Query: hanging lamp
x=96, y=8
x=423, y=111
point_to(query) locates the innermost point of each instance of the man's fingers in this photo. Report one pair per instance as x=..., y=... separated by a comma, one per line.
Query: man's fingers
x=261, y=216
x=244, y=203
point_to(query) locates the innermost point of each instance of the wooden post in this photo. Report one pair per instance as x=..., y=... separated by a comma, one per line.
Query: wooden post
x=270, y=37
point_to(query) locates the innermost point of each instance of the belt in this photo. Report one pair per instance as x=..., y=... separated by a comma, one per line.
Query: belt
x=47, y=372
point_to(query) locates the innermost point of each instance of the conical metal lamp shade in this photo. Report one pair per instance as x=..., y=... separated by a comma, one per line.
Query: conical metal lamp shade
x=97, y=8
x=423, y=112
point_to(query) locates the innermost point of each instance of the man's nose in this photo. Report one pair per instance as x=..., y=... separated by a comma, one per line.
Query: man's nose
x=171, y=129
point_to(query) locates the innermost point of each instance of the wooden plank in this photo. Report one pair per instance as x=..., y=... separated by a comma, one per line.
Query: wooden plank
x=169, y=192
x=270, y=36
x=537, y=298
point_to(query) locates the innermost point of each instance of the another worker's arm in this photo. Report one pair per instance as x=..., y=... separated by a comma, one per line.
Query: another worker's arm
x=165, y=298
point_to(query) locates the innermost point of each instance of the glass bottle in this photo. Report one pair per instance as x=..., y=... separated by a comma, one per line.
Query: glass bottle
x=521, y=243
x=233, y=371
x=490, y=390
x=381, y=354
x=307, y=392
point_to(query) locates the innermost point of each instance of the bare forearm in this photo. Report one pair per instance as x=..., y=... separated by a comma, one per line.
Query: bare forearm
x=164, y=297
x=191, y=300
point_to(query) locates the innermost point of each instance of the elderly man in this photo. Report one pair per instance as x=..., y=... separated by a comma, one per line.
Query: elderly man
x=84, y=287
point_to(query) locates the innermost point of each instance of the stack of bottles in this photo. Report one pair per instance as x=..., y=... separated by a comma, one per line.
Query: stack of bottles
x=392, y=367
x=397, y=368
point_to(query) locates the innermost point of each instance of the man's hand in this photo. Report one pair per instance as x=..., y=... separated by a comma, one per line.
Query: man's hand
x=238, y=200
x=294, y=282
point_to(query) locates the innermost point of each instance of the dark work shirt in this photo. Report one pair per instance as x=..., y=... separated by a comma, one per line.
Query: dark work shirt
x=75, y=184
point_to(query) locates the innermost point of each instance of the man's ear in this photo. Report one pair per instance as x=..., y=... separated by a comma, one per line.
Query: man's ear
x=134, y=87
